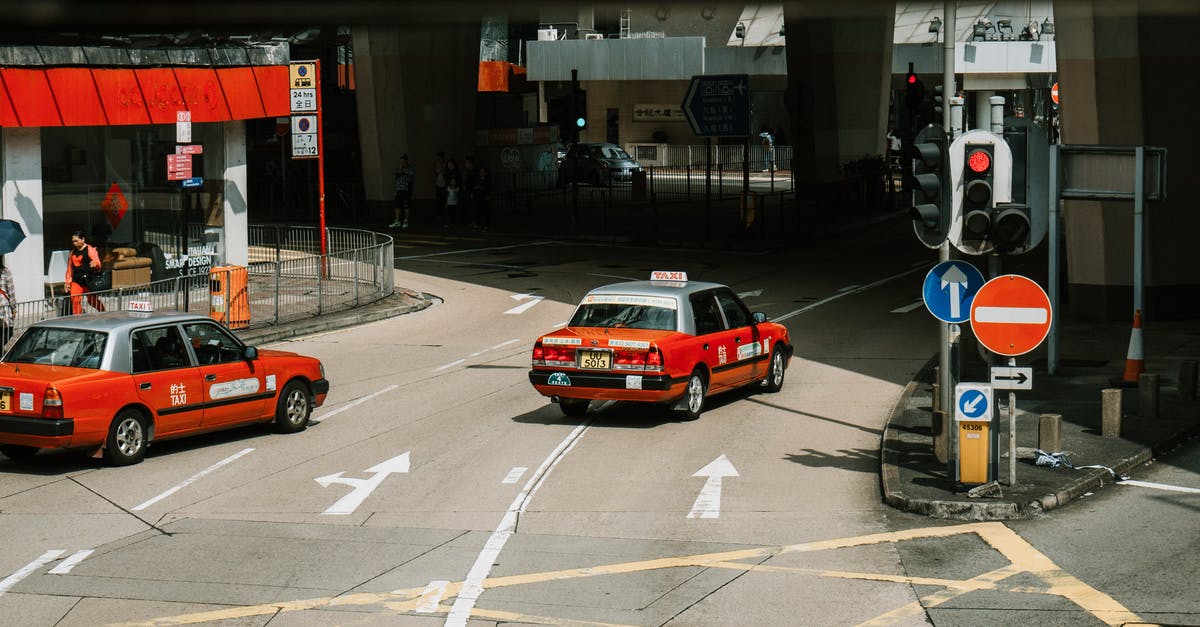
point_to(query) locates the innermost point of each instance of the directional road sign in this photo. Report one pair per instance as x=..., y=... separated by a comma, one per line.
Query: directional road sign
x=718, y=105
x=1012, y=378
x=1011, y=315
x=949, y=289
x=973, y=401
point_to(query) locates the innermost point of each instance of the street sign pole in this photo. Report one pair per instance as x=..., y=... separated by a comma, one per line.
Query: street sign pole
x=1012, y=431
x=321, y=173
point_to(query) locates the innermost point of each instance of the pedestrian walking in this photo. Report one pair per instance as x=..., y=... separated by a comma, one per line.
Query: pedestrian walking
x=83, y=273
x=768, y=144
x=454, y=193
x=8, y=304
x=403, y=186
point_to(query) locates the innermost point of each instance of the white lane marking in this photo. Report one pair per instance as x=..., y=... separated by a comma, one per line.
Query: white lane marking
x=498, y=346
x=431, y=597
x=1013, y=315
x=193, y=479
x=907, y=308
x=520, y=309
x=1160, y=486
x=449, y=365
x=847, y=292
x=362, y=487
x=473, y=585
x=744, y=295
x=848, y=288
x=15, y=578
x=474, y=250
x=514, y=475
x=69, y=563
x=352, y=404
x=708, y=502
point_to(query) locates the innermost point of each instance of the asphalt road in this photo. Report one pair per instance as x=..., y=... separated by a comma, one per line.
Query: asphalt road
x=437, y=486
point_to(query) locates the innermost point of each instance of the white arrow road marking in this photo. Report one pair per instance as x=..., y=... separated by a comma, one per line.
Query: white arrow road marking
x=846, y=292
x=362, y=487
x=431, y=597
x=1013, y=315
x=192, y=479
x=514, y=475
x=15, y=578
x=957, y=281
x=520, y=309
x=907, y=308
x=750, y=293
x=472, y=586
x=708, y=503
x=1160, y=486
x=69, y=563
x=355, y=403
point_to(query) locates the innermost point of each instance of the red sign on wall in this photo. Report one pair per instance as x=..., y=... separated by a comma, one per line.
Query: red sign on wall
x=114, y=205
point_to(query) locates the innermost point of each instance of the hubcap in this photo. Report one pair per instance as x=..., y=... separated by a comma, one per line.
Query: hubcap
x=129, y=437
x=777, y=369
x=695, y=393
x=297, y=406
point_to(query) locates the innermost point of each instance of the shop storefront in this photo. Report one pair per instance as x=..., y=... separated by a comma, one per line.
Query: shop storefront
x=86, y=149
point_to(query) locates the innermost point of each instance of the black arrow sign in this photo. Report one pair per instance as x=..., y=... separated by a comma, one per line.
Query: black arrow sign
x=1019, y=378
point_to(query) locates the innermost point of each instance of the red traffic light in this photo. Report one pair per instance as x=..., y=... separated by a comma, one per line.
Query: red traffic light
x=912, y=78
x=979, y=161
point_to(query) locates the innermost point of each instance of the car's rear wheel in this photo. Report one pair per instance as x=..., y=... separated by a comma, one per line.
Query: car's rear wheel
x=17, y=452
x=294, y=408
x=693, y=396
x=573, y=408
x=127, y=439
x=774, y=380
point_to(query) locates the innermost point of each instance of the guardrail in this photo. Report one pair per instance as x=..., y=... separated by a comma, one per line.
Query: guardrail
x=287, y=279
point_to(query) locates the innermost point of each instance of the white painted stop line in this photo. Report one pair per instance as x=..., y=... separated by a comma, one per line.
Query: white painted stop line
x=1012, y=315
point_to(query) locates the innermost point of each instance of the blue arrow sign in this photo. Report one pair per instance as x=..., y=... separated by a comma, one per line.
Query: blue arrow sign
x=973, y=403
x=949, y=289
x=718, y=105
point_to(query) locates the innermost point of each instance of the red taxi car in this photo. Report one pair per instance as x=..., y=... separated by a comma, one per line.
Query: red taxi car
x=667, y=340
x=117, y=381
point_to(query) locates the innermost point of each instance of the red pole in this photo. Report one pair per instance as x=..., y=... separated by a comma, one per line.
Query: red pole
x=321, y=174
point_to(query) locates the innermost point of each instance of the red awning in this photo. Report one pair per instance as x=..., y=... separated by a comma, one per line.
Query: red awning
x=32, y=97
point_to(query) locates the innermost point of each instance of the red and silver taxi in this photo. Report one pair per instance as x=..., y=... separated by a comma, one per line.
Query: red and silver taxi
x=667, y=340
x=115, y=382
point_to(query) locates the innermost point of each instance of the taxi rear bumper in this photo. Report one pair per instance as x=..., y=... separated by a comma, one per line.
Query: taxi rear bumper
x=628, y=386
x=19, y=425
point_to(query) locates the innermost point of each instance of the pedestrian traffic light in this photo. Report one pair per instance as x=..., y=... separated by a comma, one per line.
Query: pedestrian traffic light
x=914, y=89
x=931, y=194
x=977, y=197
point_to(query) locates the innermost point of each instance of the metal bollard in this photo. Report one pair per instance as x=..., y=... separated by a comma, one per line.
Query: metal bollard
x=1050, y=433
x=1110, y=412
x=1148, y=395
x=1187, y=379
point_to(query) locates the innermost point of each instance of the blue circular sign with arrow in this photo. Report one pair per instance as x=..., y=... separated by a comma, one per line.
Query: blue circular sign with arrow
x=973, y=403
x=949, y=289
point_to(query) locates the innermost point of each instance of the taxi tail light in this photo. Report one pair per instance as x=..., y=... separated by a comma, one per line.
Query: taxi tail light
x=52, y=406
x=639, y=359
x=543, y=354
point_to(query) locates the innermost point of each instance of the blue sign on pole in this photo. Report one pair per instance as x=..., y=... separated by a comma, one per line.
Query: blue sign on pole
x=195, y=181
x=973, y=403
x=718, y=105
x=949, y=289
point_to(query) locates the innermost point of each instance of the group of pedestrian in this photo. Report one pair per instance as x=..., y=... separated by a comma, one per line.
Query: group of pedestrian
x=456, y=192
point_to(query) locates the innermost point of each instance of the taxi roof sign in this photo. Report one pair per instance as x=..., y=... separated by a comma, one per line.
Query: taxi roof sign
x=139, y=306
x=668, y=275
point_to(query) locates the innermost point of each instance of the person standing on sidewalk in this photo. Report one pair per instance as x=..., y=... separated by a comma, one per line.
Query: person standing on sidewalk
x=768, y=144
x=8, y=304
x=454, y=192
x=403, y=185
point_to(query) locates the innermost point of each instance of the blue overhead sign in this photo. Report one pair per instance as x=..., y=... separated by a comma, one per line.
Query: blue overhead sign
x=718, y=105
x=949, y=289
x=195, y=181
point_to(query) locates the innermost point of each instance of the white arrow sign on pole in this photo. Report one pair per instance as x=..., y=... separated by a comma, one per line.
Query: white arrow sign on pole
x=362, y=487
x=957, y=281
x=708, y=503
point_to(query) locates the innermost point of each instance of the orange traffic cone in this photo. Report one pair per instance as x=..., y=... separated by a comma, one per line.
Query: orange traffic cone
x=1135, y=362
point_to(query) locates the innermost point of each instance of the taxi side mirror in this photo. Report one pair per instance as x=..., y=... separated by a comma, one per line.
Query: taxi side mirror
x=250, y=353
x=759, y=317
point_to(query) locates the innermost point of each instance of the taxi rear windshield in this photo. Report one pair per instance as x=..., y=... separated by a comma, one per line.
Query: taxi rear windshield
x=76, y=348
x=617, y=315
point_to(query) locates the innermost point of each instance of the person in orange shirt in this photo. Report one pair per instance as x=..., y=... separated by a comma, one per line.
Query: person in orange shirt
x=83, y=263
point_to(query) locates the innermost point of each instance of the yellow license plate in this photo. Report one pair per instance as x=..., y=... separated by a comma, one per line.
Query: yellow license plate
x=595, y=360
x=6, y=401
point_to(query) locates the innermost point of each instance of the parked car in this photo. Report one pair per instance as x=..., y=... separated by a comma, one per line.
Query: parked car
x=596, y=164
x=668, y=340
x=116, y=382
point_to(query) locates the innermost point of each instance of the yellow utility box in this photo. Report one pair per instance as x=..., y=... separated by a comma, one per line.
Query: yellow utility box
x=975, y=432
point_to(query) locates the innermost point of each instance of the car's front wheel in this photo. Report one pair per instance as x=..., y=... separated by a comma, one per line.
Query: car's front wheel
x=693, y=396
x=774, y=380
x=292, y=412
x=127, y=439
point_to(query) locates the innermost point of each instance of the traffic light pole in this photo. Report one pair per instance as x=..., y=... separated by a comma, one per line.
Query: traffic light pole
x=945, y=376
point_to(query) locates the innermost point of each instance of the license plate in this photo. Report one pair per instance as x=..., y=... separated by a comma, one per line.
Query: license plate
x=6, y=401
x=595, y=360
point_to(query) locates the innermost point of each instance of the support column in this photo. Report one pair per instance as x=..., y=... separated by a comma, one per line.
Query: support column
x=22, y=202
x=235, y=234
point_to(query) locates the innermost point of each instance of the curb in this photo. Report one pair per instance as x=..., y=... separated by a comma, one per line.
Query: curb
x=340, y=320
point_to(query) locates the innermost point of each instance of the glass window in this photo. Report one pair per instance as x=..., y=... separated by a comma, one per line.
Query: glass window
x=735, y=311
x=706, y=314
x=158, y=349
x=620, y=315
x=59, y=347
x=213, y=344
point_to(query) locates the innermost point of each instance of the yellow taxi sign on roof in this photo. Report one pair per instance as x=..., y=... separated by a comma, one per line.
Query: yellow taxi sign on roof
x=668, y=275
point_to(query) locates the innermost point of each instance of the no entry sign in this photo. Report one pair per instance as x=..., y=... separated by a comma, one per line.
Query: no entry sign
x=1011, y=315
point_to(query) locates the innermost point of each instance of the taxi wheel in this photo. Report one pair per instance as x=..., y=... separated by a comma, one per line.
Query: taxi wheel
x=18, y=453
x=126, y=443
x=774, y=380
x=693, y=396
x=573, y=409
x=291, y=415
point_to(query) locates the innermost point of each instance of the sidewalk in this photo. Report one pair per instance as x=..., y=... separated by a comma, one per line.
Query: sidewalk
x=1091, y=357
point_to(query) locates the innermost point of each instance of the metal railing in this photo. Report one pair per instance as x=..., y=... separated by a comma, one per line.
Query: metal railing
x=287, y=279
